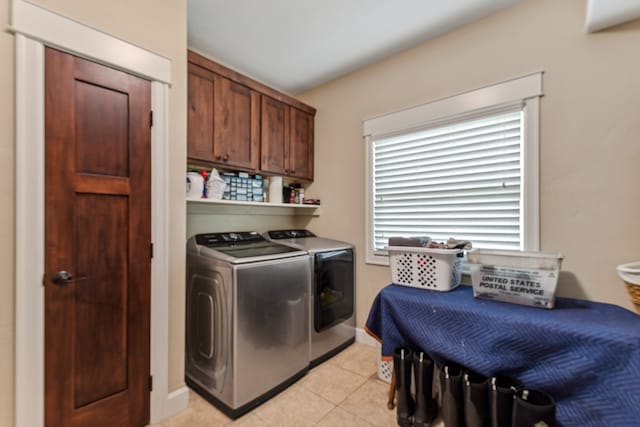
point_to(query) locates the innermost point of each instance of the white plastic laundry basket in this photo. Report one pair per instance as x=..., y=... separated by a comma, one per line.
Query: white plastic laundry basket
x=385, y=368
x=425, y=268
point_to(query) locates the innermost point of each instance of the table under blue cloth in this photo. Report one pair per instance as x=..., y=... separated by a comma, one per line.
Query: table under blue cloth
x=585, y=354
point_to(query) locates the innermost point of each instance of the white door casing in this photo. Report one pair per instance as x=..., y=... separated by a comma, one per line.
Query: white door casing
x=35, y=28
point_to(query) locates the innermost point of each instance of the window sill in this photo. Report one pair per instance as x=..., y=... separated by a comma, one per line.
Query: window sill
x=374, y=259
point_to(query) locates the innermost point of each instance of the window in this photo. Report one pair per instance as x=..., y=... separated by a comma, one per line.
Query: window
x=463, y=167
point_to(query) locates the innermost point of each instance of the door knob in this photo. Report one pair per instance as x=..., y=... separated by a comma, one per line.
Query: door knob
x=62, y=278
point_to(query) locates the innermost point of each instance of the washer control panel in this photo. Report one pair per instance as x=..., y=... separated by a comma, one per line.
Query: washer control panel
x=290, y=234
x=224, y=239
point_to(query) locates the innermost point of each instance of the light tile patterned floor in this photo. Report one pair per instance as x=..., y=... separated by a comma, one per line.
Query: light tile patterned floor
x=343, y=391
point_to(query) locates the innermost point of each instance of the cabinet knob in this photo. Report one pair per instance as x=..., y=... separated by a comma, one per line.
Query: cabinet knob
x=226, y=157
x=218, y=157
x=286, y=171
x=293, y=171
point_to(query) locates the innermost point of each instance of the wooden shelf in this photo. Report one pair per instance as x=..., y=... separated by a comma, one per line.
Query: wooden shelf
x=258, y=208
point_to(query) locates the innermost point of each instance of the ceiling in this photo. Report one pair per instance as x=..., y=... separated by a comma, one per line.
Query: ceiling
x=295, y=45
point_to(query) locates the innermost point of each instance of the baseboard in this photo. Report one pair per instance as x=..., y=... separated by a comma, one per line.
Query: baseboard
x=364, y=338
x=177, y=400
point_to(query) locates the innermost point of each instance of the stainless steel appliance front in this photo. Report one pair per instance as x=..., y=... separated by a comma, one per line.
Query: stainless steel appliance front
x=332, y=296
x=332, y=302
x=247, y=333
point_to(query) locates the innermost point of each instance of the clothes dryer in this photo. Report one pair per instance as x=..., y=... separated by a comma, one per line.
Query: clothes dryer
x=332, y=297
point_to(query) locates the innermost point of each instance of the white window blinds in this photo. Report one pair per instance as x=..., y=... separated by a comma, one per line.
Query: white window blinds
x=459, y=180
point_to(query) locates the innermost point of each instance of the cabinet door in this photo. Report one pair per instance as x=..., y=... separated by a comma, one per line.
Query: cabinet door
x=236, y=124
x=274, y=136
x=200, y=114
x=301, y=144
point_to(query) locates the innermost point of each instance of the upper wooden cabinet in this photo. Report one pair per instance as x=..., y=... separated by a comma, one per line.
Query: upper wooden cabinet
x=200, y=114
x=238, y=123
x=287, y=140
x=223, y=121
x=275, y=136
x=300, y=144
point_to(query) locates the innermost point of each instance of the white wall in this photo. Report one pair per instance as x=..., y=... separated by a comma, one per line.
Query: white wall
x=216, y=219
x=590, y=123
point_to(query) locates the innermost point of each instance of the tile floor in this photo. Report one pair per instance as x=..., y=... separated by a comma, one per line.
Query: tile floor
x=343, y=391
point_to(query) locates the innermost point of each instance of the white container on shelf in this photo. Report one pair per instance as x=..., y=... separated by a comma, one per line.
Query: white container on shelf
x=425, y=268
x=195, y=185
x=275, y=189
x=519, y=277
x=215, y=185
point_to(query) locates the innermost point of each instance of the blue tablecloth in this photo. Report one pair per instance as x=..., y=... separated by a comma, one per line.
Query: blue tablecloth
x=585, y=354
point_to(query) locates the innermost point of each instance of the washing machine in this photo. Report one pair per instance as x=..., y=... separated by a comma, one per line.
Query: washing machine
x=247, y=311
x=332, y=297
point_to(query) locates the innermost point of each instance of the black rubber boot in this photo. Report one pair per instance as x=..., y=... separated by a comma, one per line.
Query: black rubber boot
x=501, y=394
x=475, y=389
x=426, y=408
x=404, y=403
x=532, y=408
x=451, y=395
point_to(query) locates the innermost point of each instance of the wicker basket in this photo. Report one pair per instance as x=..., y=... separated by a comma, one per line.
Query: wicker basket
x=630, y=273
x=634, y=293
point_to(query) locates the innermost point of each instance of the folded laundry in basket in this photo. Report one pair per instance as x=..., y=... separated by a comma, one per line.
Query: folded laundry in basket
x=450, y=244
x=414, y=241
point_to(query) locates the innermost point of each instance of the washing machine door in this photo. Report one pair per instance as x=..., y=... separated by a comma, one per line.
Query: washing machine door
x=334, y=288
x=208, y=330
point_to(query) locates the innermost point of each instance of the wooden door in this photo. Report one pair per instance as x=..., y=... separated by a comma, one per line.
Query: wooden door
x=236, y=125
x=98, y=229
x=301, y=144
x=200, y=115
x=274, y=136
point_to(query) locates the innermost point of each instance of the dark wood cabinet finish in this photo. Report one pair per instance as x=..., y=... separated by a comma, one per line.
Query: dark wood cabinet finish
x=287, y=140
x=239, y=123
x=223, y=121
x=98, y=229
x=236, y=125
x=275, y=136
x=200, y=114
x=203, y=62
x=301, y=144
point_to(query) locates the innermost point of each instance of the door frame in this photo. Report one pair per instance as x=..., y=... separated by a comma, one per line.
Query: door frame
x=35, y=28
